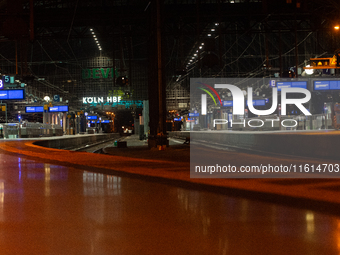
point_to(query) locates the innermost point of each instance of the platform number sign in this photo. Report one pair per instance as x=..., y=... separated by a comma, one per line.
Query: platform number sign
x=6, y=79
x=1, y=84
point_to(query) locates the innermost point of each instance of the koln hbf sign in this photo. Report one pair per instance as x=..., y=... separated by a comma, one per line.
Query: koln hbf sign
x=98, y=100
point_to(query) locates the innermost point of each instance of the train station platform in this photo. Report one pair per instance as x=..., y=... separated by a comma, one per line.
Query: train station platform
x=172, y=166
x=134, y=201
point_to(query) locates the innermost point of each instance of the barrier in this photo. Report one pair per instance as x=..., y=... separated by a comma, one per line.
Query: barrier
x=74, y=142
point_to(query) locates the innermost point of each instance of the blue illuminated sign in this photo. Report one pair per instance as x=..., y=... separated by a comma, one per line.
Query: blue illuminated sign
x=291, y=84
x=228, y=103
x=92, y=117
x=259, y=102
x=4, y=95
x=1, y=84
x=103, y=121
x=59, y=108
x=14, y=94
x=326, y=85
x=63, y=108
x=34, y=109
x=194, y=114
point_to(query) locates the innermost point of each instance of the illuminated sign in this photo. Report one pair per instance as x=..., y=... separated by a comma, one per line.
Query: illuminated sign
x=1, y=84
x=291, y=84
x=326, y=85
x=256, y=102
x=194, y=114
x=103, y=121
x=228, y=103
x=59, y=108
x=92, y=117
x=15, y=94
x=6, y=79
x=97, y=73
x=34, y=109
x=98, y=100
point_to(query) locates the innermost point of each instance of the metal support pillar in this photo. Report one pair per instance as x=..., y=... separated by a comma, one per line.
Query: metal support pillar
x=157, y=101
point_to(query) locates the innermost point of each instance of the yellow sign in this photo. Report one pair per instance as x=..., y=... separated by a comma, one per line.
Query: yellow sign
x=3, y=108
x=45, y=107
x=50, y=105
x=69, y=116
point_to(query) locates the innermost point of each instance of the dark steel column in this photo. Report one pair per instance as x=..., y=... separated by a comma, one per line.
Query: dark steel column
x=157, y=101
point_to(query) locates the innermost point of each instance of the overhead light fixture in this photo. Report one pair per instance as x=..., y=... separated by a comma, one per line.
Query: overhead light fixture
x=309, y=71
x=213, y=29
x=200, y=47
x=209, y=34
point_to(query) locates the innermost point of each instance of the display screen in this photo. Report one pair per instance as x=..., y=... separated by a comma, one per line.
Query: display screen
x=326, y=85
x=13, y=94
x=291, y=84
x=92, y=117
x=34, y=109
x=59, y=108
x=228, y=103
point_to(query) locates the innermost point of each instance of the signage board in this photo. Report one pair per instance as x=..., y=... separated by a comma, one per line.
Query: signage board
x=92, y=117
x=327, y=85
x=291, y=84
x=59, y=108
x=34, y=109
x=13, y=94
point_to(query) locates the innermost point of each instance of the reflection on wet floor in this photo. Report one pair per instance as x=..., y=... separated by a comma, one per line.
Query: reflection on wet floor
x=51, y=209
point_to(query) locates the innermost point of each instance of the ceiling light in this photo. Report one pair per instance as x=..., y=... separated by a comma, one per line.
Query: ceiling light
x=201, y=47
x=213, y=29
x=209, y=34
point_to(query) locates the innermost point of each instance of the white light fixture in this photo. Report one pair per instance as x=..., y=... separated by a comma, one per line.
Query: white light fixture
x=213, y=29
x=91, y=29
x=47, y=98
x=216, y=24
x=309, y=71
x=209, y=34
x=201, y=47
